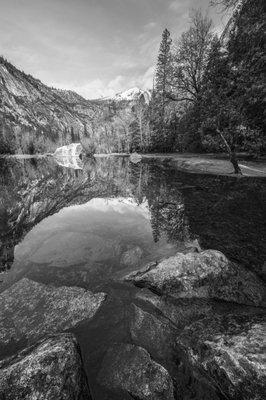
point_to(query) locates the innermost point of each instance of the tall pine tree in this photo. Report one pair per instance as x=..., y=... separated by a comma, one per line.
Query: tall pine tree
x=160, y=98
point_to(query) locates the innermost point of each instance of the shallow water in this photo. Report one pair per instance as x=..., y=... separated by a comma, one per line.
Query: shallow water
x=88, y=227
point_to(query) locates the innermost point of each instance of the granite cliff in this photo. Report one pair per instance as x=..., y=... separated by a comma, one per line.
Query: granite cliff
x=37, y=118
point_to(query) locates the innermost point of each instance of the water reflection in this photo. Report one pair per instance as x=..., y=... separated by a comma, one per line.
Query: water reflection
x=111, y=210
x=69, y=162
x=90, y=243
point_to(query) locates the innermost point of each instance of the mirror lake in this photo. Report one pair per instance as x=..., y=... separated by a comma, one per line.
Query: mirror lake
x=87, y=224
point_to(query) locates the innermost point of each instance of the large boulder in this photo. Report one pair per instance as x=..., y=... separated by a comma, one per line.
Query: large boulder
x=208, y=274
x=70, y=150
x=225, y=356
x=217, y=347
x=130, y=369
x=30, y=310
x=50, y=370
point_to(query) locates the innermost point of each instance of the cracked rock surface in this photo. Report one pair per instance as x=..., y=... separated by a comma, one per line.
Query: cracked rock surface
x=50, y=370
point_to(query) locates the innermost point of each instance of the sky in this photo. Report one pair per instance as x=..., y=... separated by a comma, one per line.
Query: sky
x=95, y=47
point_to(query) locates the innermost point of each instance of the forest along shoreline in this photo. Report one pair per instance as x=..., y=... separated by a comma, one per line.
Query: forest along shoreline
x=196, y=327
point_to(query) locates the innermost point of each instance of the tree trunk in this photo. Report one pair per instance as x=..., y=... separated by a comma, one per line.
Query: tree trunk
x=232, y=154
x=234, y=161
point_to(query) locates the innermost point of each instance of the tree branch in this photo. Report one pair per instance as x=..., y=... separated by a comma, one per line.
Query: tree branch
x=173, y=98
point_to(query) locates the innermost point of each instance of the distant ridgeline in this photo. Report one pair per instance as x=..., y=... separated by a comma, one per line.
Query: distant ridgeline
x=211, y=101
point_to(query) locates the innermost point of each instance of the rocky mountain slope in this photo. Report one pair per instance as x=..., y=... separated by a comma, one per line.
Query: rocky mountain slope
x=38, y=118
x=31, y=111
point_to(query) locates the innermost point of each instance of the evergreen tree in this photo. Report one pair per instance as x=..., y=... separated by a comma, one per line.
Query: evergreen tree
x=233, y=96
x=135, y=137
x=7, y=139
x=246, y=55
x=72, y=134
x=162, y=87
x=163, y=68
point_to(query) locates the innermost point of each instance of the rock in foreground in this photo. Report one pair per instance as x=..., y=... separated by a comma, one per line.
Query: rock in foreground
x=29, y=310
x=50, y=370
x=214, y=351
x=130, y=369
x=208, y=274
x=226, y=355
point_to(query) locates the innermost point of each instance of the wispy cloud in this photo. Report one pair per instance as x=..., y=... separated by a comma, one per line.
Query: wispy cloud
x=176, y=6
x=99, y=88
x=149, y=26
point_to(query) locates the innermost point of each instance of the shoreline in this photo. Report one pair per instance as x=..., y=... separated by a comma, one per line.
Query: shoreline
x=211, y=163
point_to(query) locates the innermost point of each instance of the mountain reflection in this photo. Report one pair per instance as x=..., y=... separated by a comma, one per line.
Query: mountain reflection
x=147, y=209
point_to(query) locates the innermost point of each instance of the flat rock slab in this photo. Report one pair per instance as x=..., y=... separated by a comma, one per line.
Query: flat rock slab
x=227, y=353
x=30, y=310
x=208, y=274
x=50, y=370
x=130, y=369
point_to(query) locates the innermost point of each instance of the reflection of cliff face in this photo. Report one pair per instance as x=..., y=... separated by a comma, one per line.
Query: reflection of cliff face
x=31, y=190
x=34, y=189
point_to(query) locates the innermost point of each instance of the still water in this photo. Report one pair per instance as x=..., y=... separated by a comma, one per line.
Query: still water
x=88, y=224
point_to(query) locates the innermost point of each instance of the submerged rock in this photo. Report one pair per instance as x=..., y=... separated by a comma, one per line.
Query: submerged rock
x=132, y=257
x=225, y=354
x=208, y=274
x=49, y=370
x=29, y=310
x=130, y=369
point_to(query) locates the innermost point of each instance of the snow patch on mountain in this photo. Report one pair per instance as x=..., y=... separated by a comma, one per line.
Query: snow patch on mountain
x=133, y=94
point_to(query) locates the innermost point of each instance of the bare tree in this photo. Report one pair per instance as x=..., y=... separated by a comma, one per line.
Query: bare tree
x=190, y=58
x=226, y=4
